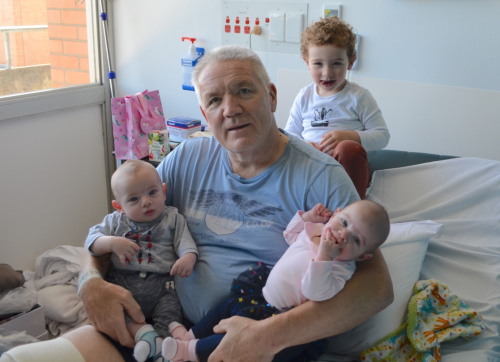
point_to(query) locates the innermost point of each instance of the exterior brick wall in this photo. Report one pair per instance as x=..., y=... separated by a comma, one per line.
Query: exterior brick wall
x=26, y=48
x=69, y=60
x=64, y=45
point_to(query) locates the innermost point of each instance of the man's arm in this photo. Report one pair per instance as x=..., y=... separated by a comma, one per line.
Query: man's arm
x=105, y=303
x=368, y=292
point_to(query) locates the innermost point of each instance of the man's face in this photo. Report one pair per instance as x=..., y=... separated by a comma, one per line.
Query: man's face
x=237, y=106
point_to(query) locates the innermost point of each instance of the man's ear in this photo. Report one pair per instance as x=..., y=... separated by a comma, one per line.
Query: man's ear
x=117, y=206
x=203, y=112
x=365, y=257
x=274, y=97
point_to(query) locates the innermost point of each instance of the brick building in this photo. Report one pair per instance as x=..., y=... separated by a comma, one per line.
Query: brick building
x=56, y=56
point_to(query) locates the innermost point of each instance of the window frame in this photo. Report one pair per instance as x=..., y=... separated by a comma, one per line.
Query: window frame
x=19, y=106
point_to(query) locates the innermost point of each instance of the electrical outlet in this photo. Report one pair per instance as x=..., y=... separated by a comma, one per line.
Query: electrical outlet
x=242, y=16
x=330, y=10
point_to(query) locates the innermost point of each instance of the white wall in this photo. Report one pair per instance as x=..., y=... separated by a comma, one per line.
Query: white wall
x=52, y=182
x=453, y=43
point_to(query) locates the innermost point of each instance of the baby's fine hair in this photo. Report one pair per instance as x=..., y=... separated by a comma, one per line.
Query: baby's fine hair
x=129, y=167
x=379, y=220
x=329, y=31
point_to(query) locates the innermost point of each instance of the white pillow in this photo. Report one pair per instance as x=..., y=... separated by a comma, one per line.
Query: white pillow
x=404, y=252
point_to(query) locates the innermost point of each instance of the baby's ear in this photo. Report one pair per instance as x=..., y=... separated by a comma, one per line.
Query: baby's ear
x=365, y=257
x=117, y=206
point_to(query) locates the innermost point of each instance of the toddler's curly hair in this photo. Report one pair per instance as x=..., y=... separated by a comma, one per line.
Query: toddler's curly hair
x=329, y=31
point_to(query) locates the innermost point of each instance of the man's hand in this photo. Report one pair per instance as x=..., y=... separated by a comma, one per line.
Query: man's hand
x=245, y=341
x=105, y=304
x=319, y=214
x=331, y=140
x=124, y=248
x=184, y=265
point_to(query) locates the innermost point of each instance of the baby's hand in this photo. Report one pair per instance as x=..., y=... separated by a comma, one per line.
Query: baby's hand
x=329, y=247
x=124, y=248
x=319, y=213
x=184, y=265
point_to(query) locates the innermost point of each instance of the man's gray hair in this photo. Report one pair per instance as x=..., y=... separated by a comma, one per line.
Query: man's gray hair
x=227, y=53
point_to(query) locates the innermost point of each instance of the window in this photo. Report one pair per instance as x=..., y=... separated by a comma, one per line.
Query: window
x=50, y=63
x=46, y=44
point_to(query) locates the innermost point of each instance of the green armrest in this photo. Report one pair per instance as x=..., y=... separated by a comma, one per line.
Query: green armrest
x=386, y=159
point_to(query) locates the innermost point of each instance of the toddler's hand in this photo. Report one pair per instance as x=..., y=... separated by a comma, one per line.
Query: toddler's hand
x=329, y=247
x=184, y=265
x=314, y=144
x=319, y=213
x=124, y=248
x=331, y=140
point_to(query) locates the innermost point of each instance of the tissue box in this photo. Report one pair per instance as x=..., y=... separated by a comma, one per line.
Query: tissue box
x=33, y=322
x=181, y=127
x=159, y=145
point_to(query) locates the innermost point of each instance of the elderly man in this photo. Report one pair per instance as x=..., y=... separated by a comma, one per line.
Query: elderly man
x=238, y=190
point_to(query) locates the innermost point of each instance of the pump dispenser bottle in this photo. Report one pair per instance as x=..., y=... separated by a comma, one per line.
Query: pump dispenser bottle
x=188, y=63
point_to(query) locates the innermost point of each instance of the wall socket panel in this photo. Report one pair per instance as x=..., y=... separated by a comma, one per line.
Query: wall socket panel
x=330, y=10
x=261, y=10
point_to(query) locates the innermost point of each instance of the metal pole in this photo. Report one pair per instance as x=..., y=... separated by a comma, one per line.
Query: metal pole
x=7, y=50
x=111, y=73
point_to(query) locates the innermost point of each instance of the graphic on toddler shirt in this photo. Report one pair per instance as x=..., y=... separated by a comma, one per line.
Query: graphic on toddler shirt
x=227, y=210
x=321, y=117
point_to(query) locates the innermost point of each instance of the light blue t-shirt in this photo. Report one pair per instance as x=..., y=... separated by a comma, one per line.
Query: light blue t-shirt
x=237, y=222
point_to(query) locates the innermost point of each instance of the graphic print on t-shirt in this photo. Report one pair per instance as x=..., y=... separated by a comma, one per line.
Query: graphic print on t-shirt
x=321, y=117
x=226, y=210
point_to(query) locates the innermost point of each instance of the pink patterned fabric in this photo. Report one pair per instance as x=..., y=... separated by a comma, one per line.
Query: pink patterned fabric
x=134, y=116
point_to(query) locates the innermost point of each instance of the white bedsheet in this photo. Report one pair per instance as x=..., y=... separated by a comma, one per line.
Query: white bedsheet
x=463, y=195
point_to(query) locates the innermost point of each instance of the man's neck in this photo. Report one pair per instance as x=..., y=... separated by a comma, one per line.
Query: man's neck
x=248, y=165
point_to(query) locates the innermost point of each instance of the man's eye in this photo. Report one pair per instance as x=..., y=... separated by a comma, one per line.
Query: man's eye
x=213, y=100
x=244, y=91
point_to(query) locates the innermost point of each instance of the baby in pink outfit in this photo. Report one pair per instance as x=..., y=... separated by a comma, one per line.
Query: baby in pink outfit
x=324, y=248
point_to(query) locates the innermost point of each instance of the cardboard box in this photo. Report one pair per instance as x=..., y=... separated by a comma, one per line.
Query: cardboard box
x=33, y=322
x=159, y=145
x=181, y=127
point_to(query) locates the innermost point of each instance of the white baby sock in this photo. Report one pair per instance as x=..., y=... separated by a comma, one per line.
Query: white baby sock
x=148, y=344
x=177, y=351
x=178, y=331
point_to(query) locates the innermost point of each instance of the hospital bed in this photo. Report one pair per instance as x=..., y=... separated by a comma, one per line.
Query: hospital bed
x=445, y=225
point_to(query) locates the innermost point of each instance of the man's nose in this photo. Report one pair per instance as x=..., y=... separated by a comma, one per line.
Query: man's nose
x=231, y=106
